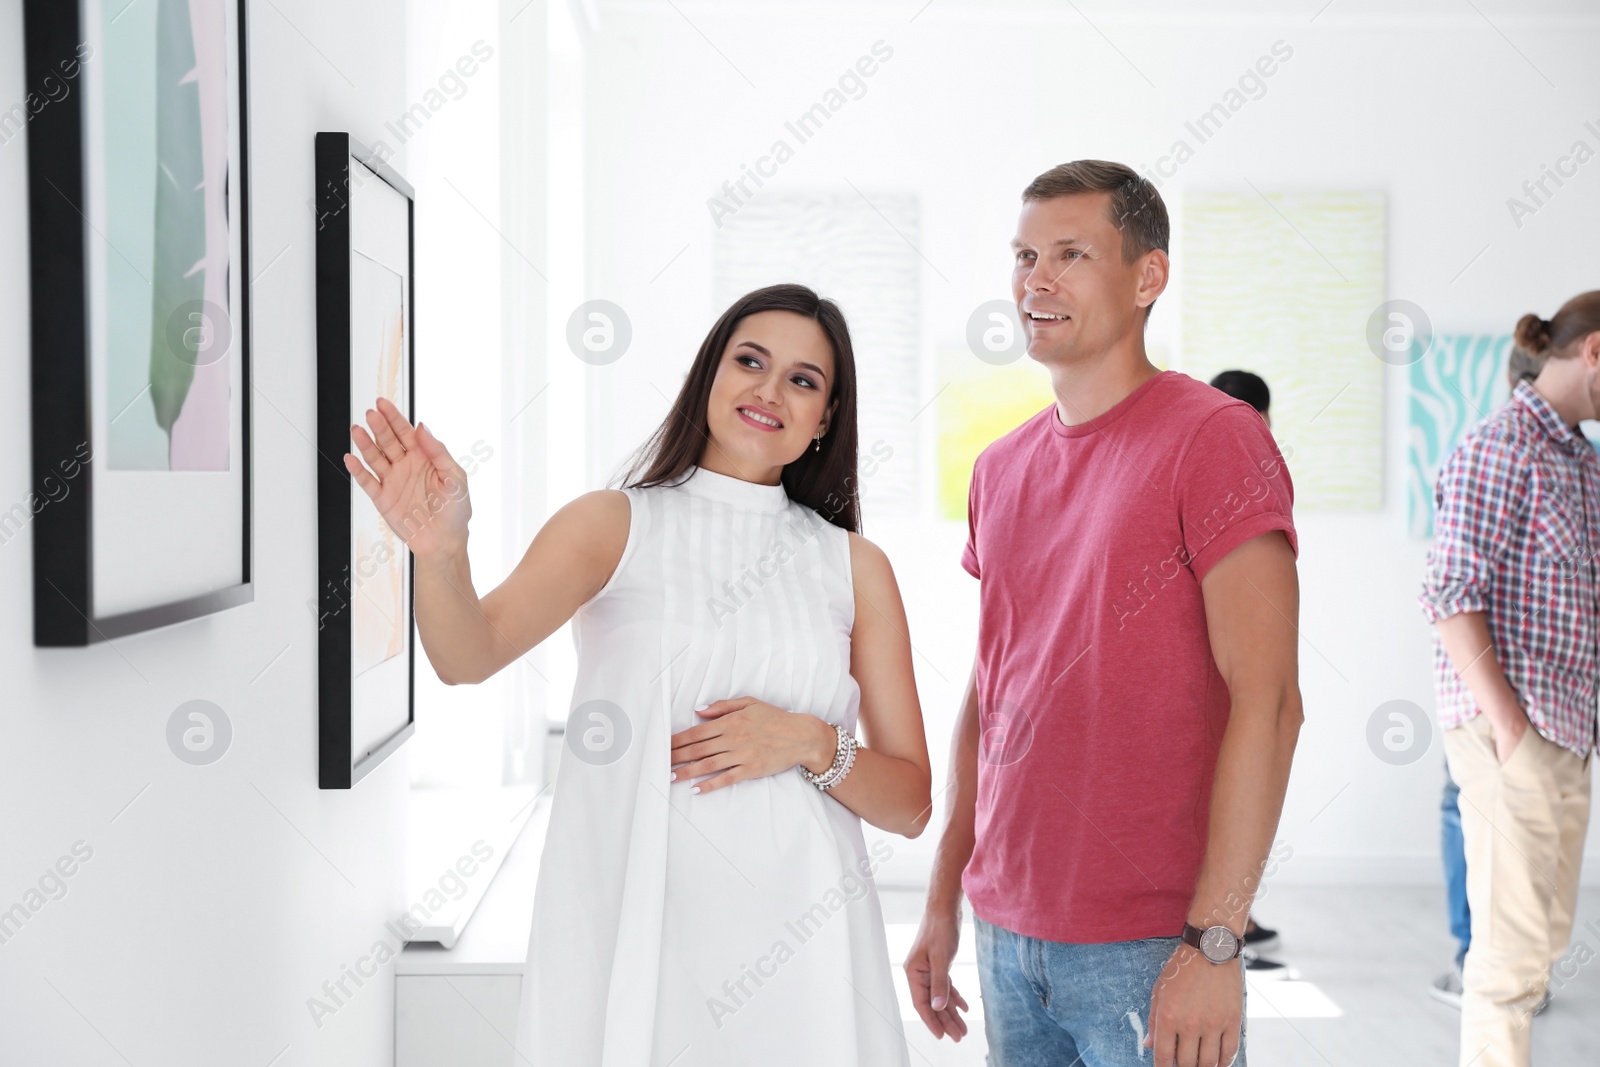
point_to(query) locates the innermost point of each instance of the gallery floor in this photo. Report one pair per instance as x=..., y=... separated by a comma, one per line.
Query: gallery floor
x=1361, y=961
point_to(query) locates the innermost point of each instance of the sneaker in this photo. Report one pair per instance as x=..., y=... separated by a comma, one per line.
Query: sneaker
x=1446, y=989
x=1259, y=968
x=1259, y=937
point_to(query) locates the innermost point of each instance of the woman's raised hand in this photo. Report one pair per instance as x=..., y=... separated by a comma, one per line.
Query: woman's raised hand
x=415, y=484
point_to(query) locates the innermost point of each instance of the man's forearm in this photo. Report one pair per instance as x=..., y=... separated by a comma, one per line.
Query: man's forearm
x=959, y=834
x=952, y=856
x=1471, y=650
x=1246, y=801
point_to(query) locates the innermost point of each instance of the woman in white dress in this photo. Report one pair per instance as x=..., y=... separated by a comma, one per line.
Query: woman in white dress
x=705, y=897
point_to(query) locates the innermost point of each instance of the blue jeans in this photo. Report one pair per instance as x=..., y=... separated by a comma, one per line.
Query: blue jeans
x=1454, y=851
x=1053, y=1004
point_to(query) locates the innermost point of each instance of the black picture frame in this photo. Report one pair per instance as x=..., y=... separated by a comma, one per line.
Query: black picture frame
x=64, y=451
x=337, y=157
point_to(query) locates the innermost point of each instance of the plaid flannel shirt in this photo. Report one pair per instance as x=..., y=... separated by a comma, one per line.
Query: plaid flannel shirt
x=1516, y=535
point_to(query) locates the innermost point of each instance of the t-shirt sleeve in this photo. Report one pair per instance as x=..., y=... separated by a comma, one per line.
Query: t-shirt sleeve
x=969, y=554
x=1233, y=485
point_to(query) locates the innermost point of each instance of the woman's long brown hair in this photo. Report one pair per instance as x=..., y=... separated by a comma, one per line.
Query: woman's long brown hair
x=825, y=480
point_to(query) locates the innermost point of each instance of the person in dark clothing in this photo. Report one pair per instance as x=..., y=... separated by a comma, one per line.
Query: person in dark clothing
x=1251, y=388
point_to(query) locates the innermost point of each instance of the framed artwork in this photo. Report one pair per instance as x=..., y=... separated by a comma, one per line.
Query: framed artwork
x=1282, y=284
x=979, y=405
x=1456, y=382
x=862, y=254
x=366, y=692
x=139, y=243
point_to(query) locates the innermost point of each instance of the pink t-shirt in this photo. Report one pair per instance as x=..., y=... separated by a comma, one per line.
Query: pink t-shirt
x=1102, y=707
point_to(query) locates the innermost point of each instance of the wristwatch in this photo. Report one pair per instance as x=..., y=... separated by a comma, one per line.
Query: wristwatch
x=1216, y=943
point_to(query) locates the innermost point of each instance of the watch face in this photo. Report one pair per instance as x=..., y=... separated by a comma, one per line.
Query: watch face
x=1218, y=944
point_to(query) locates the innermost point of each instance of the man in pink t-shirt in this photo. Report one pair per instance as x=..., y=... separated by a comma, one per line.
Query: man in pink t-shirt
x=1121, y=757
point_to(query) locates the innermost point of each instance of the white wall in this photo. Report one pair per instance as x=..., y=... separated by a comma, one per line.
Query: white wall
x=221, y=898
x=454, y=163
x=1425, y=100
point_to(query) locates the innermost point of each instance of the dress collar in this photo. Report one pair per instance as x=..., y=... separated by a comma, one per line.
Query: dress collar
x=699, y=481
x=1539, y=409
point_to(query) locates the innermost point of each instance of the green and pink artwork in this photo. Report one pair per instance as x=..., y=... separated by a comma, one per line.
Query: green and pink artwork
x=139, y=250
x=168, y=323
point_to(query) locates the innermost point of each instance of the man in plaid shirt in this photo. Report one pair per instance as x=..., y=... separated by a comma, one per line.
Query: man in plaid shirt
x=1512, y=585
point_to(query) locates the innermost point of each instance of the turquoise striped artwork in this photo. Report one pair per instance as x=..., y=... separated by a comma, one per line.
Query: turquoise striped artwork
x=1455, y=384
x=1282, y=284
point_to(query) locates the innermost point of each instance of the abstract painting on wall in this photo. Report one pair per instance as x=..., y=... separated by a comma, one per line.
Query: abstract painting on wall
x=979, y=403
x=377, y=341
x=366, y=647
x=1455, y=383
x=858, y=249
x=138, y=212
x=172, y=406
x=1282, y=284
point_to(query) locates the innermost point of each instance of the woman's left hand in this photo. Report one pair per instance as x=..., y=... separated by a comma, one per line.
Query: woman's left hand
x=745, y=738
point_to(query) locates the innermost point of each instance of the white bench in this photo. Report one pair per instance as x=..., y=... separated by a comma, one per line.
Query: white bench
x=457, y=1006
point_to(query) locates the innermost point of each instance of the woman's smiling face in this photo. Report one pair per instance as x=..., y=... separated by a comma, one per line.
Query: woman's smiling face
x=770, y=395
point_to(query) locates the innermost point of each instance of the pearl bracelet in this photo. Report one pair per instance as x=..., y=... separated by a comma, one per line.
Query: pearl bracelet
x=844, y=757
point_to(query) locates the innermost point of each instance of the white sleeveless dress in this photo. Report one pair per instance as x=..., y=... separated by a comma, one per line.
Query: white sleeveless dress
x=729, y=928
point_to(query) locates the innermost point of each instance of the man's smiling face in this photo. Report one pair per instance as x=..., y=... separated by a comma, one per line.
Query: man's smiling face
x=1074, y=293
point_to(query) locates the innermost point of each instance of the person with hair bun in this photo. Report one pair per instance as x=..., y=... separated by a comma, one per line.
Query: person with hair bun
x=1520, y=366
x=1512, y=589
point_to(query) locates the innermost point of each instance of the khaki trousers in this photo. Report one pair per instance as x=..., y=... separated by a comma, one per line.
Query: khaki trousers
x=1523, y=825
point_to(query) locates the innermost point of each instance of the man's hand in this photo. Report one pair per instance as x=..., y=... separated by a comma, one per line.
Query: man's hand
x=1195, y=1011
x=928, y=975
x=1471, y=650
x=1508, y=734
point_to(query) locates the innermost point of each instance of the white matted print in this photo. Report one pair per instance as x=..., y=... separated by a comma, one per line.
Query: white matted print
x=168, y=334
x=377, y=346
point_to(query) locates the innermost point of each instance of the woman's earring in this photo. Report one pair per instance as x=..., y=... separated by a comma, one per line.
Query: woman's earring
x=817, y=447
